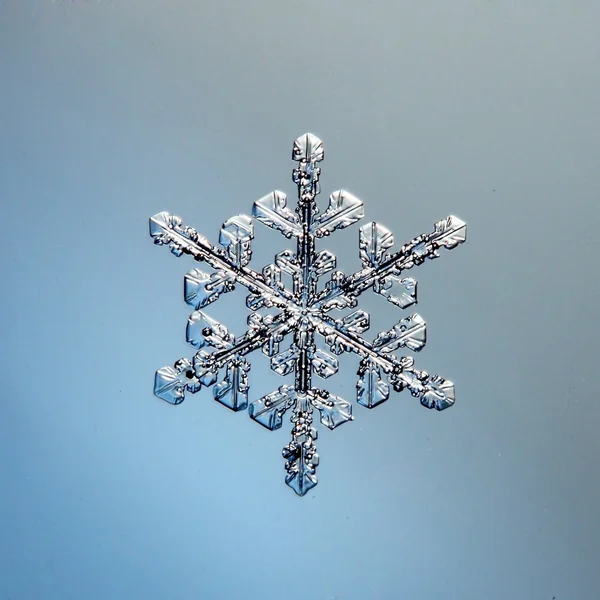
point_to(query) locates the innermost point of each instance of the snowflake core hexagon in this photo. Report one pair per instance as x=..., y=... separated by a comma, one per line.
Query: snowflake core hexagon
x=302, y=311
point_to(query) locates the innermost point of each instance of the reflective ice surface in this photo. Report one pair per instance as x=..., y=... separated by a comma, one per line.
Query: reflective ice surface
x=303, y=313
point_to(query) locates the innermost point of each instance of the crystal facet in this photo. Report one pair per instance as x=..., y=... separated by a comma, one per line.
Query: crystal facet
x=303, y=313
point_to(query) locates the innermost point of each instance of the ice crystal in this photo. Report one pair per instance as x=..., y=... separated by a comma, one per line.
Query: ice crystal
x=302, y=313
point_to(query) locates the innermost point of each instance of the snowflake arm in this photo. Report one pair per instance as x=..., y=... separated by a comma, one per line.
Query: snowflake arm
x=374, y=240
x=166, y=229
x=171, y=383
x=432, y=390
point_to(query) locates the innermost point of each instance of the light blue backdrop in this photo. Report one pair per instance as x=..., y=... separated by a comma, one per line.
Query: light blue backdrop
x=111, y=111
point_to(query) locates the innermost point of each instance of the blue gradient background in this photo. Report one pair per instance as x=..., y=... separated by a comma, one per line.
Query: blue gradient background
x=112, y=111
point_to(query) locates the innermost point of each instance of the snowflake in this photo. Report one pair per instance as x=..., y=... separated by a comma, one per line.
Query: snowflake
x=302, y=312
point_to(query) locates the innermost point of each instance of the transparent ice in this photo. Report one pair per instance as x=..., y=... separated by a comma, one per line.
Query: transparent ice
x=285, y=322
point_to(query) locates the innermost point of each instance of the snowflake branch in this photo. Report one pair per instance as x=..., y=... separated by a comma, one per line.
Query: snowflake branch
x=432, y=390
x=335, y=333
x=447, y=233
x=167, y=229
x=308, y=152
x=171, y=383
x=254, y=338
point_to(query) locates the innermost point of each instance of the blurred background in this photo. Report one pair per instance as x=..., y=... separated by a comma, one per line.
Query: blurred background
x=111, y=111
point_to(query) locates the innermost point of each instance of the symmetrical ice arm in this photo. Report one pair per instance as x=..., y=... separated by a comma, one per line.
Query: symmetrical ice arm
x=447, y=233
x=166, y=229
x=432, y=390
x=171, y=383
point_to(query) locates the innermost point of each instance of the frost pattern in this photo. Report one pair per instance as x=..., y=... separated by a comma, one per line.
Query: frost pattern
x=302, y=313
